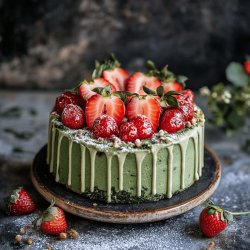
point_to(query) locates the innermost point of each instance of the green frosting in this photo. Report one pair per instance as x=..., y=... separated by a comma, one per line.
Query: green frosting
x=93, y=181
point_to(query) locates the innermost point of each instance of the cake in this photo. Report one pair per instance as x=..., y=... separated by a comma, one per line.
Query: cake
x=123, y=138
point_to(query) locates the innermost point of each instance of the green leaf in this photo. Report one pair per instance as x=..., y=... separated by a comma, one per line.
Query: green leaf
x=211, y=210
x=150, y=65
x=235, y=120
x=160, y=91
x=172, y=92
x=236, y=74
x=228, y=216
x=172, y=101
x=182, y=80
x=148, y=91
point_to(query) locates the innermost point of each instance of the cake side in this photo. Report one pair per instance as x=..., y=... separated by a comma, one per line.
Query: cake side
x=98, y=170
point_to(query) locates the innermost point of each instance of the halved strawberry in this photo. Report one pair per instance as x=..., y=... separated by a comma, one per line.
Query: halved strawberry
x=137, y=80
x=110, y=105
x=171, y=86
x=86, y=88
x=117, y=77
x=144, y=105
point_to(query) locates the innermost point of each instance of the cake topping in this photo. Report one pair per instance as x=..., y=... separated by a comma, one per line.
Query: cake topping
x=104, y=126
x=104, y=103
x=144, y=126
x=144, y=105
x=172, y=120
x=73, y=116
x=128, y=132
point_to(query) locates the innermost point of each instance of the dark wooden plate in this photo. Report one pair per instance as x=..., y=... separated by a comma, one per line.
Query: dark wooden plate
x=76, y=204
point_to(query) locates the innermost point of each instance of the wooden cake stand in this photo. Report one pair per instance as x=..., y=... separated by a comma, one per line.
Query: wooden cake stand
x=78, y=205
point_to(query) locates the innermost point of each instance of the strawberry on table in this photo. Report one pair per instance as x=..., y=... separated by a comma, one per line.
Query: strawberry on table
x=128, y=132
x=73, y=117
x=144, y=105
x=144, y=127
x=52, y=221
x=105, y=127
x=104, y=103
x=86, y=88
x=172, y=120
x=111, y=71
x=20, y=202
x=214, y=219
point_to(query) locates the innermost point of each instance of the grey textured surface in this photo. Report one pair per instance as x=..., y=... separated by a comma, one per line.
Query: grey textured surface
x=181, y=232
x=50, y=43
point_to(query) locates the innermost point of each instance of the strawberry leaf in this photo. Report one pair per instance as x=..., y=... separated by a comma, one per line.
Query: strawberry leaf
x=149, y=91
x=172, y=92
x=211, y=210
x=172, y=101
x=123, y=95
x=228, y=216
x=182, y=80
x=160, y=91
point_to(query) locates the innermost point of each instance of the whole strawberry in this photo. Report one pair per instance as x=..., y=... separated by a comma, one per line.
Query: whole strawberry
x=247, y=66
x=128, y=132
x=73, y=117
x=144, y=126
x=104, y=127
x=20, y=202
x=173, y=120
x=52, y=221
x=214, y=219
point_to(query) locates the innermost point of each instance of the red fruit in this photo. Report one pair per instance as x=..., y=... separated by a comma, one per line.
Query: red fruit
x=110, y=105
x=171, y=86
x=52, y=221
x=104, y=126
x=117, y=77
x=73, y=116
x=144, y=105
x=172, y=120
x=86, y=88
x=247, y=66
x=187, y=108
x=211, y=224
x=20, y=202
x=188, y=95
x=144, y=126
x=66, y=98
x=128, y=132
x=137, y=80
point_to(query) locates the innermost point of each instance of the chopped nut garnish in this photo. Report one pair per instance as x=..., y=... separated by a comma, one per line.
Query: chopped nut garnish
x=18, y=238
x=62, y=236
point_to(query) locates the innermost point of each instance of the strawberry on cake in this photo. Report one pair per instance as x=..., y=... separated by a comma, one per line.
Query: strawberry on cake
x=127, y=138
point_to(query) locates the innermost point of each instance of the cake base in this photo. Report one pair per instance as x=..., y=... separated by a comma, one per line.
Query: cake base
x=78, y=205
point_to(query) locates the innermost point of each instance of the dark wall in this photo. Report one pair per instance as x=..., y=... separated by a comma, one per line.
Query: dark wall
x=53, y=44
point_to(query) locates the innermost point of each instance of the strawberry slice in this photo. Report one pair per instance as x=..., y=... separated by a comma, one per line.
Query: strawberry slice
x=110, y=105
x=171, y=86
x=144, y=105
x=86, y=87
x=117, y=77
x=137, y=80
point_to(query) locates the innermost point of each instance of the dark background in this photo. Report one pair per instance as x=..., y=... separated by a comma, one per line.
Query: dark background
x=52, y=44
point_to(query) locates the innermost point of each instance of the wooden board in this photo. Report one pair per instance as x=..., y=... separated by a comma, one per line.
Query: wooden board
x=76, y=204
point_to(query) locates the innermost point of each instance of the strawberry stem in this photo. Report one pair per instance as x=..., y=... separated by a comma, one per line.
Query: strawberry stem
x=238, y=213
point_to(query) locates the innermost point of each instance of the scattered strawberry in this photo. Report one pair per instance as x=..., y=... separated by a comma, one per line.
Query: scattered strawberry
x=214, y=219
x=144, y=126
x=247, y=66
x=172, y=120
x=144, y=105
x=128, y=132
x=20, y=202
x=137, y=80
x=104, y=126
x=52, y=221
x=104, y=103
x=171, y=86
x=66, y=98
x=117, y=77
x=86, y=88
x=73, y=117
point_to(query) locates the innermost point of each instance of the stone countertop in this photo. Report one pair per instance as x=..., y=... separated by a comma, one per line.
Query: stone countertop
x=23, y=131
